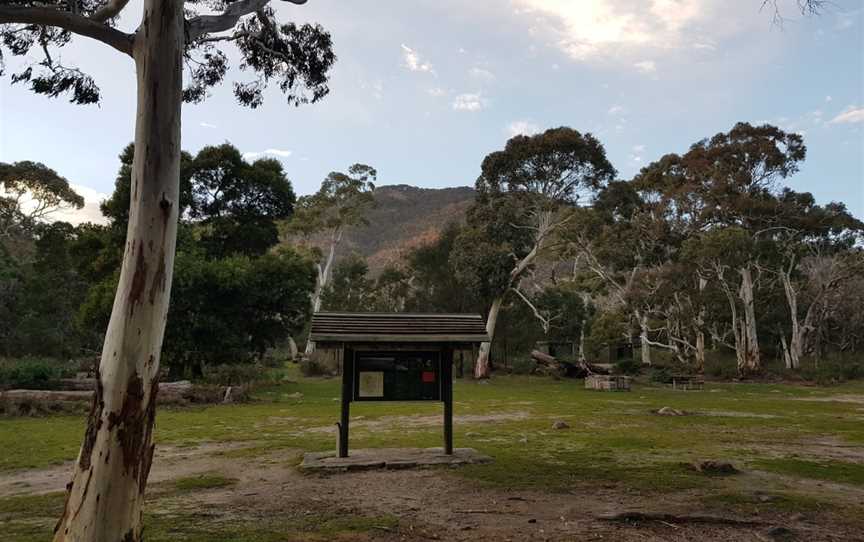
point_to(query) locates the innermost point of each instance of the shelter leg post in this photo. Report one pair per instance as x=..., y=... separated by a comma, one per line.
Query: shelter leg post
x=447, y=390
x=347, y=392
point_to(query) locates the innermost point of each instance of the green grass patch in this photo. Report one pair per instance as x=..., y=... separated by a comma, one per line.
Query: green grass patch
x=829, y=470
x=202, y=482
x=45, y=505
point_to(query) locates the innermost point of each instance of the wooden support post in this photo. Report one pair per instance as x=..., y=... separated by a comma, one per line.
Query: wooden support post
x=347, y=395
x=447, y=393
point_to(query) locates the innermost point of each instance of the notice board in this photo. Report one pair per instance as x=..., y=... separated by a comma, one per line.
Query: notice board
x=397, y=376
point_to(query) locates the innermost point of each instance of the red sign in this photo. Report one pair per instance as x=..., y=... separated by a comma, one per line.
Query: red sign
x=428, y=376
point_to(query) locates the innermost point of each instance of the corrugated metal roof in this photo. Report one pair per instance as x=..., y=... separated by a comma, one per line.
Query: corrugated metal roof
x=397, y=327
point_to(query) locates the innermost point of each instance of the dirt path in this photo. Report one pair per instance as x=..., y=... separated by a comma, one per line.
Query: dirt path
x=169, y=463
x=439, y=505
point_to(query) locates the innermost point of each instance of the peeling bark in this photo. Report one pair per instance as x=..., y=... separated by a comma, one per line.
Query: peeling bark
x=105, y=497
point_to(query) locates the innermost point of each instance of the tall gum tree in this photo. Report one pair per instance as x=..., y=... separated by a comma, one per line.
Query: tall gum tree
x=105, y=497
x=729, y=183
x=525, y=194
x=323, y=218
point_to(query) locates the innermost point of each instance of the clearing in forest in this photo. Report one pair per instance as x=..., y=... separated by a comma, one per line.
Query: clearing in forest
x=615, y=471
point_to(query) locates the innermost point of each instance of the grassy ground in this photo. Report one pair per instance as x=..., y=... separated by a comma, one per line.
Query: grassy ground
x=800, y=445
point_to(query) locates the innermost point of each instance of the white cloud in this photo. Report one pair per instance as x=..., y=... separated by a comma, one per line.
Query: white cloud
x=638, y=149
x=89, y=213
x=616, y=110
x=470, y=102
x=207, y=125
x=481, y=74
x=586, y=29
x=254, y=155
x=413, y=61
x=646, y=66
x=437, y=92
x=522, y=127
x=828, y=98
x=850, y=115
x=704, y=46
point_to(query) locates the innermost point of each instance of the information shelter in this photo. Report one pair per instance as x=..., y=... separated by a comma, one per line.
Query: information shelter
x=397, y=357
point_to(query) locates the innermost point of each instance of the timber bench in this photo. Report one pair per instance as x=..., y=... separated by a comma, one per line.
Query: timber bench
x=687, y=382
x=607, y=383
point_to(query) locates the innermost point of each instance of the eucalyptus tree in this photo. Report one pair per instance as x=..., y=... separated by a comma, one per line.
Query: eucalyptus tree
x=729, y=182
x=803, y=234
x=30, y=193
x=626, y=243
x=105, y=497
x=525, y=194
x=340, y=204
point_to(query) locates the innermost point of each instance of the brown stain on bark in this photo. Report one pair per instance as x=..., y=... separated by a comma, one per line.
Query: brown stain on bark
x=150, y=421
x=94, y=424
x=132, y=425
x=139, y=280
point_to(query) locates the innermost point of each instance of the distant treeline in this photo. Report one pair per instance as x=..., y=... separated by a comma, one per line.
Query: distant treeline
x=701, y=252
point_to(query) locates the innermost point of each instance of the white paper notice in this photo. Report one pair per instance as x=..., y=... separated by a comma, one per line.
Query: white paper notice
x=371, y=384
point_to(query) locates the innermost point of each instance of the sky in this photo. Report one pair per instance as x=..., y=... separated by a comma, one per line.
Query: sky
x=424, y=90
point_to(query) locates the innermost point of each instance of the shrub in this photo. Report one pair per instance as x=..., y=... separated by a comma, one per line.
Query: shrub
x=234, y=375
x=314, y=366
x=628, y=367
x=523, y=366
x=33, y=373
x=661, y=375
x=837, y=368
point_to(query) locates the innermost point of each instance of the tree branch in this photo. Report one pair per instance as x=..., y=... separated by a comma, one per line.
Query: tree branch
x=109, y=10
x=208, y=24
x=68, y=21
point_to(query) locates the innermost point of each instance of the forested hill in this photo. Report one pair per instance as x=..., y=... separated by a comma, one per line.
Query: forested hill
x=405, y=217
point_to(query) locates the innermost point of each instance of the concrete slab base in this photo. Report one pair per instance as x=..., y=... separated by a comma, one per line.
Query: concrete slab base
x=390, y=458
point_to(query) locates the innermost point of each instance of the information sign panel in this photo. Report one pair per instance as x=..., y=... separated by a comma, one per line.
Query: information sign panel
x=397, y=376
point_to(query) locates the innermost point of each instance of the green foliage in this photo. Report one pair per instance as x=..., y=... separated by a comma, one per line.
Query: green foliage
x=661, y=375
x=232, y=310
x=628, y=367
x=235, y=374
x=523, y=366
x=340, y=203
x=236, y=204
x=315, y=366
x=435, y=277
x=47, y=190
x=33, y=373
x=833, y=369
x=350, y=288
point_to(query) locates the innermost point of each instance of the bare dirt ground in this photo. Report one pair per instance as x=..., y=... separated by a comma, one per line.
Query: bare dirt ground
x=439, y=505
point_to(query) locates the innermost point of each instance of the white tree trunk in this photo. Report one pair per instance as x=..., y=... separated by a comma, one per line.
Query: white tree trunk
x=321, y=283
x=700, y=327
x=752, y=357
x=795, y=349
x=105, y=498
x=644, y=339
x=582, y=342
x=481, y=368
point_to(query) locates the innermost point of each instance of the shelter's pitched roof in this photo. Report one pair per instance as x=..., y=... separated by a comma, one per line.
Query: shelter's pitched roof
x=397, y=327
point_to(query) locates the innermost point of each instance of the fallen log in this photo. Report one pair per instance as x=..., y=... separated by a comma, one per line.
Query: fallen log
x=78, y=384
x=169, y=392
x=45, y=395
x=579, y=369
